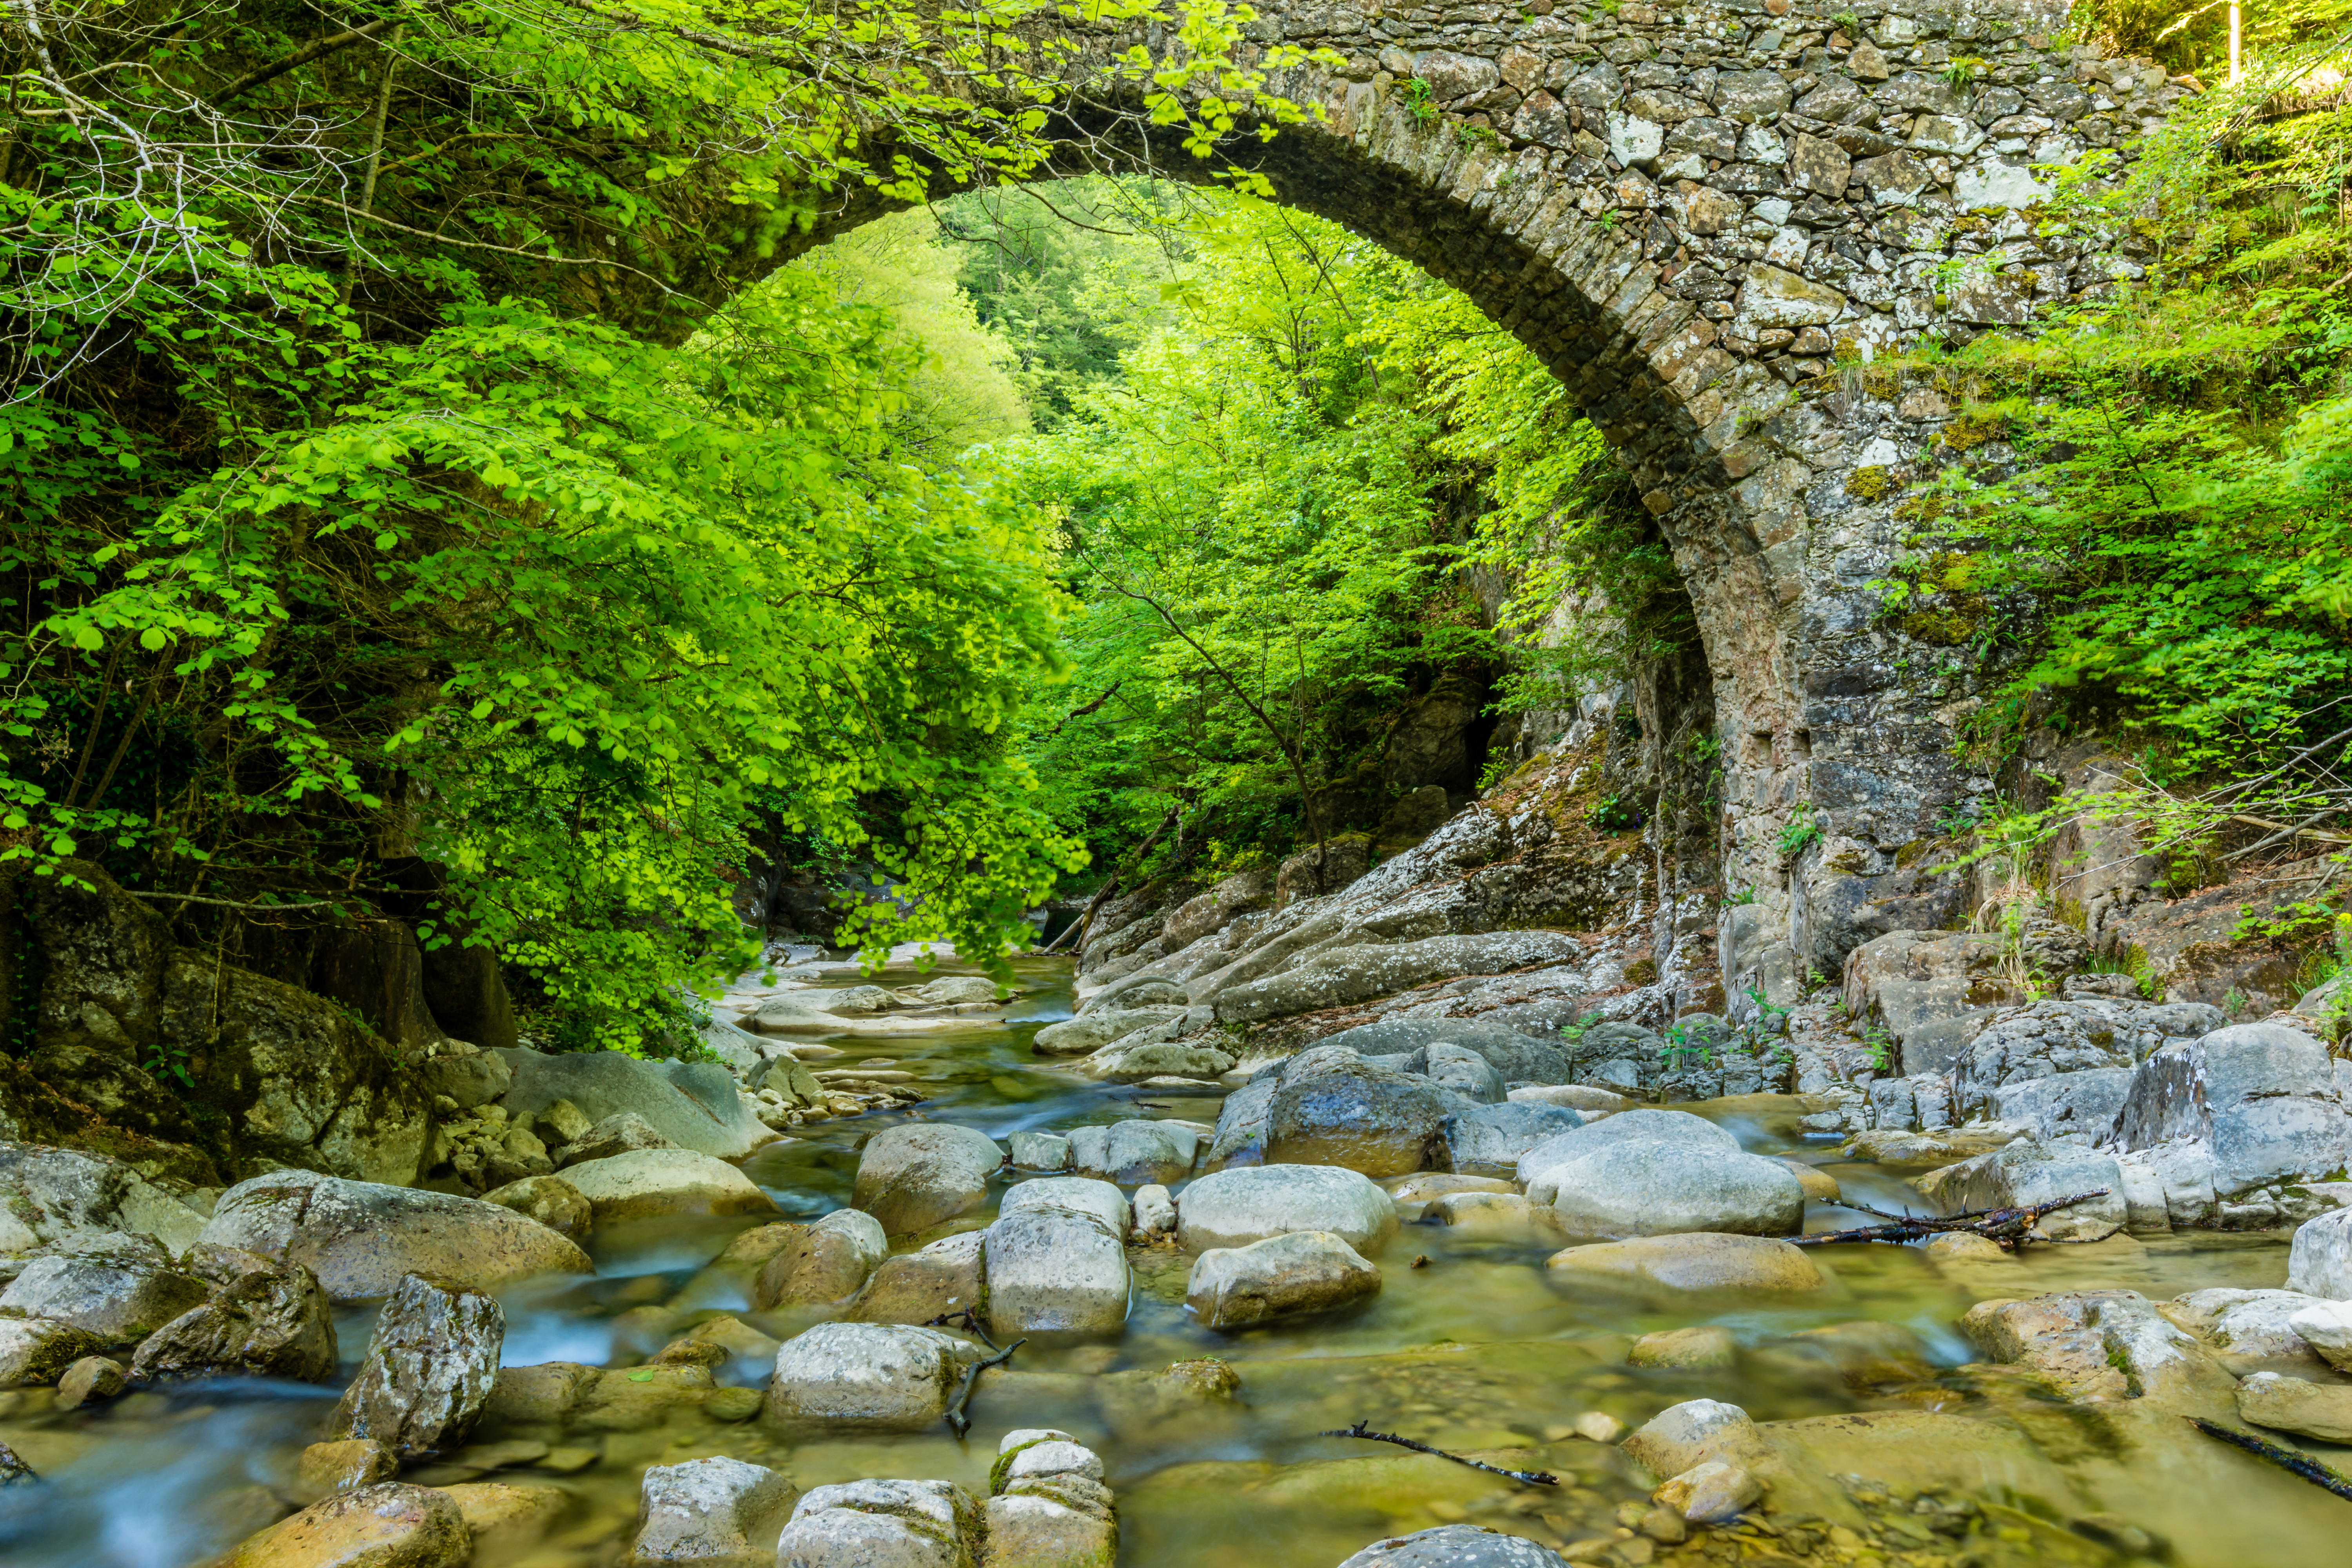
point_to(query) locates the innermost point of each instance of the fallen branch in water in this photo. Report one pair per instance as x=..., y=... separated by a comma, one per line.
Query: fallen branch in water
x=1364, y=1429
x=2008, y=1228
x=965, y=1318
x=2286, y=1459
x=958, y=1418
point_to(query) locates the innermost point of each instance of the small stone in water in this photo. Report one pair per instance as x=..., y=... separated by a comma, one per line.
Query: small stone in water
x=1664, y=1526
x=1599, y=1427
x=732, y=1404
x=1709, y=1493
x=14, y=1472
x=568, y=1461
x=325, y=1468
x=92, y=1377
x=1702, y=1345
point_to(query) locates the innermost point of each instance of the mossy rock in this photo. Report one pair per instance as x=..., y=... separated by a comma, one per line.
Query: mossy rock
x=1872, y=484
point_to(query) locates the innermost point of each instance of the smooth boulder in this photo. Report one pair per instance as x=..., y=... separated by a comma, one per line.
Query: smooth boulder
x=887, y=1376
x=387, y=1526
x=1133, y=1153
x=915, y=1176
x=718, y=1511
x=120, y=1293
x=2319, y=1260
x=916, y=1286
x=1236, y=1207
x=1331, y=1107
x=1537, y=1165
x=1698, y=1262
x=695, y=1105
x=1456, y=1546
x=360, y=1237
x=551, y=1201
x=882, y=1525
x=1641, y=1188
x=657, y=1183
x=2295, y=1405
x=1283, y=1276
x=830, y=1262
x=1055, y=1259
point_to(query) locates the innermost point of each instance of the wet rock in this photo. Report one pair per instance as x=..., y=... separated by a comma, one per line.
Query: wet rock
x=2029, y=1172
x=269, y=1319
x=2293, y=1404
x=1537, y=1165
x=914, y=1177
x=38, y=1349
x=872, y=1374
x=1456, y=1546
x=1496, y=1216
x=62, y=1195
x=1330, y=1107
x=1962, y=1247
x=505, y=1519
x=1709, y=1493
x=1089, y=1033
x=92, y=1378
x=882, y=1525
x=1692, y=1433
x=1138, y=1057
x=1863, y=1353
x=1050, y=1507
x=719, y=1511
x=1057, y=1258
x=1359, y=973
x=916, y=1286
x=1132, y=1153
x=1039, y=1152
x=654, y=1183
x=360, y=1237
x=344, y=1466
x=1696, y=1262
x=550, y=1200
x=528, y=1396
x=634, y=1398
x=1702, y=1345
x=1598, y=1426
x=1819, y=1185
x=2319, y=1260
x=1496, y=1138
x=693, y=1105
x=1459, y=1070
x=1516, y=1057
x=119, y=1293
x=427, y=1372
x=1235, y=1208
x=1155, y=1212
x=1283, y=1276
x=2091, y=1346
x=2244, y=1327
x=728, y=1336
x=830, y=1262
x=1239, y=1138
x=14, y=1472
x=1637, y=1187
x=387, y=1526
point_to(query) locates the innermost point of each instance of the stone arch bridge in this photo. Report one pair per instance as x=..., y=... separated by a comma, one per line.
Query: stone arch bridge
x=1703, y=218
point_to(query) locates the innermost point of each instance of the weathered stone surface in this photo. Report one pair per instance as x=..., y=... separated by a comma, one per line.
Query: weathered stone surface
x=1539, y=1167
x=64, y=1195
x=119, y=1293
x=1354, y=974
x=1496, y=1216
x=1330, y=1107
x=1639, y=1187
x=1692, y=1433
x=2295, y=1405
x=632, y=1399
x=2021, y=1045
x=360, y=1237
x=272, y=1319
x=694, y=1105
x=914, y=1177
x=2319, y=1260
x=1456, y=1546
x=1515, y=1056
x=652, y=1183
x=37, y=1351
x=1709, y=1493
x=89, y=1380
x=916, y=1286
x=624, y=1132
x=505, y=1519
x=868, y=1374
x=522, y=1395
x=1047, y=1152
x=1155, y=1212
x=1700, y=1261
x=2096, y=1345
x=882, y=1525
x=387, y=1526
x=2259, y=1097
x=1703, y=1345
x=1050, y=1509
x=1496, y=1138
x=2326, y=1328
x=1138, y=1057
x=551, y=1201
x=1091, y=1031
x=1235, y=1208
x=2031, y=1171
x=1055, y=1259
x=344, y=1465
x=830, y=1262
x=1132, y=1153
x=2245, y=1328
x=427, y=1372
x=719, y=1511
x=1283, y=1276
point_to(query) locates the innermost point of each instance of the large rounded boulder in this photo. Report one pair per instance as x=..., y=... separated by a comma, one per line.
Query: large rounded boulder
x=1334, y=1108
x=1539, y=1165
x=1638, y=1187
x=1235, y=1208
x=918, y=1175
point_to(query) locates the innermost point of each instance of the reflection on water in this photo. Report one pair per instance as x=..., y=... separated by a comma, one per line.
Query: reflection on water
x=1469, y=1346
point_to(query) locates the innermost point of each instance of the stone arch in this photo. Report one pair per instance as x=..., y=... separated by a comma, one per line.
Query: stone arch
x=1709, y=221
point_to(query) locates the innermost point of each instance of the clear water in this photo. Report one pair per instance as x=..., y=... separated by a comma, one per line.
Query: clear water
x=1469, y=1346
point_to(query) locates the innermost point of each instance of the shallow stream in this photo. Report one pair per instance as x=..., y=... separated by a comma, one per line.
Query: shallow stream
x=1468, y=1347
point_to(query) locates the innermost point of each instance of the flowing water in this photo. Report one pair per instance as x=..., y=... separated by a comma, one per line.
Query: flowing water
x=1468, y=1347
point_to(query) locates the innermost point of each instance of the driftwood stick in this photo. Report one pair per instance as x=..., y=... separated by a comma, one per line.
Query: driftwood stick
x=2010, y=1228
x=963, y=1317
x=959, y=1416
x=2286, y=1459
x=1364, y=1429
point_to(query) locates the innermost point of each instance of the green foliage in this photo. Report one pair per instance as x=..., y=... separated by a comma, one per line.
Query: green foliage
x=1800, y=832
x=1418, y=101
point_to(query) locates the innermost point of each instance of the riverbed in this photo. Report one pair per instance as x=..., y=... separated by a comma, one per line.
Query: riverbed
x=1469, y=1347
